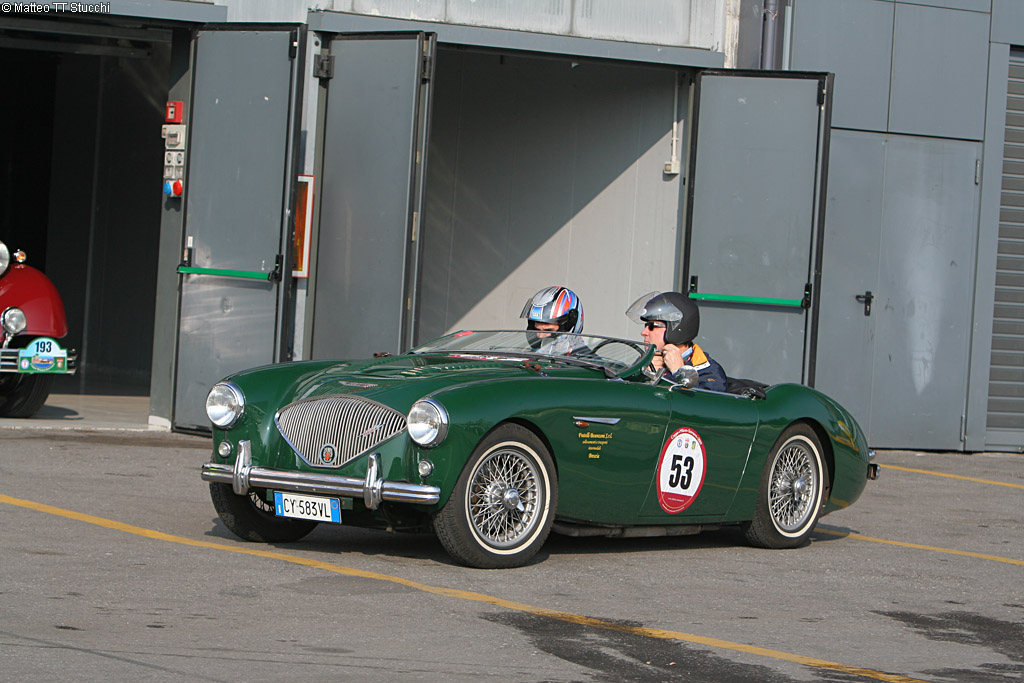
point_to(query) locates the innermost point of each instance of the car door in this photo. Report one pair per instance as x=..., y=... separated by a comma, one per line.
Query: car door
x=605, y=436
x=702, y=457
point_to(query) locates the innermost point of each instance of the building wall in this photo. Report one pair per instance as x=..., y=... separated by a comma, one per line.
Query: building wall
x=911, y=74
x=920, y=73
x=684, y=23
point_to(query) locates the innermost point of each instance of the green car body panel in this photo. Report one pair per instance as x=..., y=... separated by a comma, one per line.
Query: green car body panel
x=606, y=435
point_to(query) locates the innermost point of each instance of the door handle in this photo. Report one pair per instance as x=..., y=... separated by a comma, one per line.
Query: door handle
x=866, y=298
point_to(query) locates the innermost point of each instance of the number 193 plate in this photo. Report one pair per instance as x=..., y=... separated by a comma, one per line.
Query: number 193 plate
x=307, y=507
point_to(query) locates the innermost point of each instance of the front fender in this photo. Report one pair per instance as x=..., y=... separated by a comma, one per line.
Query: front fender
x=31, y=291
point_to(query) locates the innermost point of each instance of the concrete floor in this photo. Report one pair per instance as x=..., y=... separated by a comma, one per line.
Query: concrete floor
x=88, y=411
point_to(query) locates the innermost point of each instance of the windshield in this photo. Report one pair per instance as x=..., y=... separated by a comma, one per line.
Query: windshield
x=616, y=355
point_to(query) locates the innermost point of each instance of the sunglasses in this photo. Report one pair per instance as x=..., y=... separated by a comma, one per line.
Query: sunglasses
x=653, y=325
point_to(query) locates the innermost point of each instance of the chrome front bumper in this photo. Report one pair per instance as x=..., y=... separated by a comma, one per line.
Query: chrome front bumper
x=373, y=489
x=9, y=363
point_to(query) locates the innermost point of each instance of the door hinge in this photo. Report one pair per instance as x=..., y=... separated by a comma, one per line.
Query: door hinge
x=415, y=225
x=293, y=44
x=426, y=68
x=963, y=429
x=323, y=67
x=977, y=171
x=822, y=91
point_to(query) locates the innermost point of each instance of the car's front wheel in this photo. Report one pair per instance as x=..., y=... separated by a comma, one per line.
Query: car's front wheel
x=251, y=517
x=790, y=498
x=22, y=395
x=502, y=507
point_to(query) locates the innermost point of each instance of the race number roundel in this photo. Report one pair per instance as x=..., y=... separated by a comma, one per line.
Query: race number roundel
x=681, y=470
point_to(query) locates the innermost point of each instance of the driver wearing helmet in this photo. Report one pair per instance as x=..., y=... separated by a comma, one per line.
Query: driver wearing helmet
x=550, y=311
x=671, y=321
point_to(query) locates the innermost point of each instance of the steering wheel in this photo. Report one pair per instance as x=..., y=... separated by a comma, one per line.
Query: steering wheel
x=605, y=342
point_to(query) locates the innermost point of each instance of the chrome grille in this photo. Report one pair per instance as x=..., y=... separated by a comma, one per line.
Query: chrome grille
x=330, y=431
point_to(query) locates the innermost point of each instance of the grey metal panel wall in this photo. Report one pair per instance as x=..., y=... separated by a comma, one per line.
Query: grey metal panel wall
x=853, y=40
x=542, y=172
x=970, y=5
x=1006, y=379
x=1008, y=21
x=526, y=41
x=939, y=64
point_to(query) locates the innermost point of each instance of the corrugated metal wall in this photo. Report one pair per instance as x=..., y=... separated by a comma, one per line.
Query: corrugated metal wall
x=1006, y=379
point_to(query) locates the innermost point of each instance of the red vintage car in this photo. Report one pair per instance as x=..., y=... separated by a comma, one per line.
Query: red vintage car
x=31, y=321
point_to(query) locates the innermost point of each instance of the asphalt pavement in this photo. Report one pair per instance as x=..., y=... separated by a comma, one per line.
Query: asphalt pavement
x=114, y=566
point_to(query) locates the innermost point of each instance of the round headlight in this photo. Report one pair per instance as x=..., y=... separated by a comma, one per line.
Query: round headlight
x=225, y=404
x=427, y=422
x=5, y=258
x=13, y=320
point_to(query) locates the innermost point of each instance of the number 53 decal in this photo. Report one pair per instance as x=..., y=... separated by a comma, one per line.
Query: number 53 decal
x=681, y=470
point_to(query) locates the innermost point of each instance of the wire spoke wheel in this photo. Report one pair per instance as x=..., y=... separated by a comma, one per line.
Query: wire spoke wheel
x=792, y=492
x=503, y=497
x=501, y=510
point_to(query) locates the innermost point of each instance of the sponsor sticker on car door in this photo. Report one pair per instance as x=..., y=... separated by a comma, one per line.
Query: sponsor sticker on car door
x=681, y=470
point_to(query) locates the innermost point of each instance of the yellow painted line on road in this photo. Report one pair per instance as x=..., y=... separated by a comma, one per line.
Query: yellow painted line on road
x=952, y=476
x=832, y=531
x=465, y=595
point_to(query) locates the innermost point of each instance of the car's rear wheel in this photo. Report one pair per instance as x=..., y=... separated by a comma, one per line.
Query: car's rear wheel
x=502, y=507
x=22, y=395
x=251, y=516
x=790, y=498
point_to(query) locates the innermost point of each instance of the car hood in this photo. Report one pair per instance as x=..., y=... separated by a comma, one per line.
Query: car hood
x=399, y=381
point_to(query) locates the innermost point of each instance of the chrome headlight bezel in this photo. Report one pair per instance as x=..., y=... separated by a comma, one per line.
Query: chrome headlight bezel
x=225, y=405
x=13, y=320
x=5, y=258
x=427, y=422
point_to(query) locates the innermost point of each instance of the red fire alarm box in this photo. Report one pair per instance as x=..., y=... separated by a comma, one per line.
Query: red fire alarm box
x=174, y=111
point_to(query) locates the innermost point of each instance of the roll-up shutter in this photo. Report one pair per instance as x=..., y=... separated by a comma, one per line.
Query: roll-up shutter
x=1006, y=379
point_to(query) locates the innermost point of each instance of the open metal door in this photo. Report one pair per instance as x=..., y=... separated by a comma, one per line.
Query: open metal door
x=754, y=218
x=238, y=190
x=375, y=94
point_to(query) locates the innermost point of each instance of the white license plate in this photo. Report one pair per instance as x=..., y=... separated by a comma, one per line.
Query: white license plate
x=307, y=507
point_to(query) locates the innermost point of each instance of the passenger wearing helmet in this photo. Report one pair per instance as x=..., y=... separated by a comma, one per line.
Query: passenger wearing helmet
x=552, y=310
x=671, y=321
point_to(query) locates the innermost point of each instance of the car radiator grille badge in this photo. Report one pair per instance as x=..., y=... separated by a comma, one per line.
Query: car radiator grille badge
x=329, y=431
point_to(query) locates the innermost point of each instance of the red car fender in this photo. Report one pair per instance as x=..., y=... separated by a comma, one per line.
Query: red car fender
x=31, y=291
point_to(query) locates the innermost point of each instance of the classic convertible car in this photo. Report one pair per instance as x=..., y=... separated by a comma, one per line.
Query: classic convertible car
x=496, y=438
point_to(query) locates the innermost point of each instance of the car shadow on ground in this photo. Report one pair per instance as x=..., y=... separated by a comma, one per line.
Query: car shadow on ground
x=424, y=545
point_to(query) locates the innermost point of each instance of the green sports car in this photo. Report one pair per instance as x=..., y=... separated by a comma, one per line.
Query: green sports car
x=494, y=439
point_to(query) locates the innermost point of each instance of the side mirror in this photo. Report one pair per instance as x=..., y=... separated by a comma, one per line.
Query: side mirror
x=688, y=375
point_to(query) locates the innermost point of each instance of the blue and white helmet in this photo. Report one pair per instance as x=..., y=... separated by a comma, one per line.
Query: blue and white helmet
x=558, y=305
